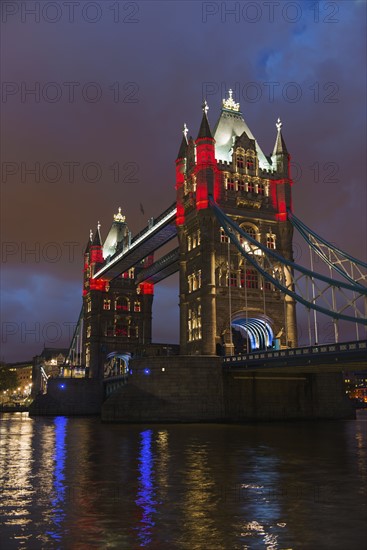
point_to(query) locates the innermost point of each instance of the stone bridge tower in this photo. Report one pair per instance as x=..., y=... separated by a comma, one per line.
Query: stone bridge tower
x=225, y=305
x=117, y=315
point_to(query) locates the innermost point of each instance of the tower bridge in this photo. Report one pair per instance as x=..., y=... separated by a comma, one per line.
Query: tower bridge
x=232, y=224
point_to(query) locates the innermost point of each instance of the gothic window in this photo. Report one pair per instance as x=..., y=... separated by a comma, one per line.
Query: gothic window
x=106, y=305
x=252, y=279
x=189, y=282
x=233, y=278
x=251, y=187
x=89, y=331
x=137, y=307
x=270, y=240
x=261, y=189
x=133, y=331
x=189, y=325
x=194, y=324
x=230, y=183
x=240, y=161
x=194, y=281
x=241, y=185
x=250, y=230
x=128, y=274
x=223, y=236
x=122, y=304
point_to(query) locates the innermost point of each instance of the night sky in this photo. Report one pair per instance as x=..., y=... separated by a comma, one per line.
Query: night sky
x=114, y=83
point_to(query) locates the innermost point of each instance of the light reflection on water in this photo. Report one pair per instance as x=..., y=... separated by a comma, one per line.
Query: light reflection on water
x=146, y=491
x=58, y=511
x=79, y=484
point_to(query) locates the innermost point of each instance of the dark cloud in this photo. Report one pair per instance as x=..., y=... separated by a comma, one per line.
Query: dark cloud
x=163, y=64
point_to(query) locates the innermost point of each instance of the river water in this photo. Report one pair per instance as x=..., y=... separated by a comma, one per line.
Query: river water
x=75, y=483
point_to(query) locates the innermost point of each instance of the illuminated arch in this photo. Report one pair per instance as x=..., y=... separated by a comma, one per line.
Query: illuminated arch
x=258, y=331
x=116, y=364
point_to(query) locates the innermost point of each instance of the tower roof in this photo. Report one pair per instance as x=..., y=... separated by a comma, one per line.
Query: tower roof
x=182, y=153
x=204, y=130
x=280, y=146
x=97, y=241
x=230, y=125
x=115, y=235
x=87, y=248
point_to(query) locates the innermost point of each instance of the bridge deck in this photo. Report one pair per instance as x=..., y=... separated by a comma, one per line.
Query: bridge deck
x=152, y=237
x=343, y=356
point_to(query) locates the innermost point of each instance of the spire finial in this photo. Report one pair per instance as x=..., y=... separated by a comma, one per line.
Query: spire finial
x=91, y=235
x=229, y=103
x=279, y=124
x=205, y=106
x=119, y=217
x=185, y=130
x=98, y=226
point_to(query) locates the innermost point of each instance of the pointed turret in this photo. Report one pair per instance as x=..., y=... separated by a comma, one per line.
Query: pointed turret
x=281, y=194
x=205, y=153
x=89, y=243
x=280, y=146
x=280, y=157
x=181, y=167
x=96, y=247
x=204, y=130
x=206, y=165
x=97, y=241
x=182, y=153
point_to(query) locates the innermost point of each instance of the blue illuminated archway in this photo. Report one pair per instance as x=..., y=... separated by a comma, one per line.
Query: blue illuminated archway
x=256, y=331
x=116, y=364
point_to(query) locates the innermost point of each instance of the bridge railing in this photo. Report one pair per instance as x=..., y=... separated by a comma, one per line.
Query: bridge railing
x=155, y=221
x=297, y=352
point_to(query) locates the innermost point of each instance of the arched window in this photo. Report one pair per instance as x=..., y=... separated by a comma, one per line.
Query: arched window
x=251, y=187
x=252, y=278
x=230, y=183
x=240, y=161
x=250, y=230
x=223, y=236
x=122, y=304
x=241, y=185
x=270, y=240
